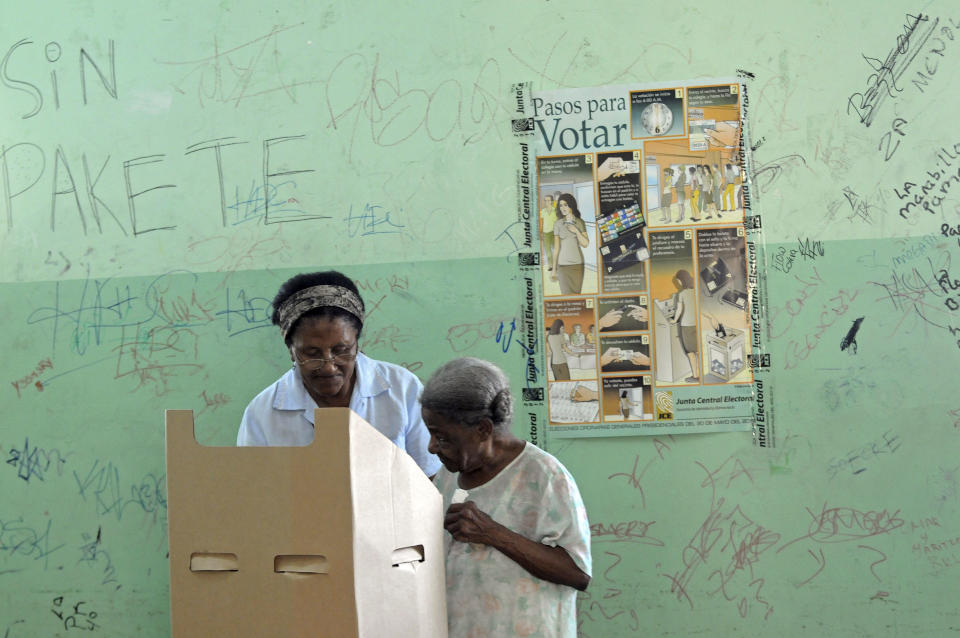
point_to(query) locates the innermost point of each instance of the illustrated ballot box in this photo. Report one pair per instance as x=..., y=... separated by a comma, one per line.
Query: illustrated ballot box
x=727, y=353
x=340, y=538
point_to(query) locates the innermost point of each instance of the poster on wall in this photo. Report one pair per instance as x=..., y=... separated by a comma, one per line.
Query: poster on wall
x=640, y=194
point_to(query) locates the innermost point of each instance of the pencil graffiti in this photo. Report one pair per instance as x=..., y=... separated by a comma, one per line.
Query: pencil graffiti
x=934, y=54
x=634, y=477
x=568, y=52
x=883, y=82
x=51, y=52
x=238, y=251
x=363, y=96
x=464, y=336
x=52, y=262
x=624, y=532
x=842, y=524
x=874, y=564
x=241, y=72
x=767, y=174
x=821, y=561
x=781, y=323
x=729, y=544
x=385, y=337
x=218, y=400
x=393, y=283
x=884, y=597
x=606, y=572
x=939, y=546
x=862, y=207
x=783, y=259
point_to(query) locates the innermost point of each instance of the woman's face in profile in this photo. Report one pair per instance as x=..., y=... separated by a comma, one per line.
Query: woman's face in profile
x=457, y=446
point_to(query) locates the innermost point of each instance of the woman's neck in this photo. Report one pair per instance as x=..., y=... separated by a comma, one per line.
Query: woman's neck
x=505, y=448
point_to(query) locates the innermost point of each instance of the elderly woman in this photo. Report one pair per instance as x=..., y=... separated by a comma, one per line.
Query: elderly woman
x=518, y=547
x=320, y=316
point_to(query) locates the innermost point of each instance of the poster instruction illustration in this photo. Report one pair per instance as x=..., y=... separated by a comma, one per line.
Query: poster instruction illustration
x=640, y=195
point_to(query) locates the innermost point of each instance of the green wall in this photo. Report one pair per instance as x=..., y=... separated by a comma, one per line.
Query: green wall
x=163, y=168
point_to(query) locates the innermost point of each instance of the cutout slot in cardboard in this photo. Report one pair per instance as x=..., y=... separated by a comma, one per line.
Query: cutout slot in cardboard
x=301, y=564
x=213, y=562
x=412, y=554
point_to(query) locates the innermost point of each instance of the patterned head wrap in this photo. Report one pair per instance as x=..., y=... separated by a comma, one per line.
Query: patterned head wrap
x=314, y=297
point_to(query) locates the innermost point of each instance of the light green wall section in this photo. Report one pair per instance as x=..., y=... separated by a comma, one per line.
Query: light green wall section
x=385, y=131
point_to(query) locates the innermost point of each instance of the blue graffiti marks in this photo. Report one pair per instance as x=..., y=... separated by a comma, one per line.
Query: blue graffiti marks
x=278, y=198
x=505, y=339
x=93, y=555
x=32, y=462
x=244, y=312
x=373, y=220
x=19, y=539
x=517, y=245
x=150, y=331
x=99, y=307
x=103, y=485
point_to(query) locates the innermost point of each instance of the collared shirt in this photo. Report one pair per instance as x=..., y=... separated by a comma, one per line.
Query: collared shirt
x=385, y=395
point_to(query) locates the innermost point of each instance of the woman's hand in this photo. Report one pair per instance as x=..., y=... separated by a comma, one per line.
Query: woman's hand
x=467, y=523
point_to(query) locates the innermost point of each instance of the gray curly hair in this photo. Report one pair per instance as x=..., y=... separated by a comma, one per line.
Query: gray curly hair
x=467, y=390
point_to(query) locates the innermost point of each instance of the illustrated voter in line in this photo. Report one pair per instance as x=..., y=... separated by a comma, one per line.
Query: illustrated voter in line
x=518, y=547
x=320, y=316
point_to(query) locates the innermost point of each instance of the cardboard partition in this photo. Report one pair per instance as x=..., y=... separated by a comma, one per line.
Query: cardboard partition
x=340, y=538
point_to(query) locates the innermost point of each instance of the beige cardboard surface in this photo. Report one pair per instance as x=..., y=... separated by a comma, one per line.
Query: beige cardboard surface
x=321, y=540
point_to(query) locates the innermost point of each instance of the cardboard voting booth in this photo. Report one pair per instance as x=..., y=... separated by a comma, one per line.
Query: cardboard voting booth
x=340, y=538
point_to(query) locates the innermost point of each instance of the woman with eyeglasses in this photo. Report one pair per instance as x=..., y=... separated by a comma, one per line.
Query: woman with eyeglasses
x=320, y=316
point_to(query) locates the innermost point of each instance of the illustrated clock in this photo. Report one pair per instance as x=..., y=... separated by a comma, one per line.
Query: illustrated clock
x=656, y=118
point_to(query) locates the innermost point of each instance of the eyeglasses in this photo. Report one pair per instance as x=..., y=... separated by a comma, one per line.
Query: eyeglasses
x=339, y=358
